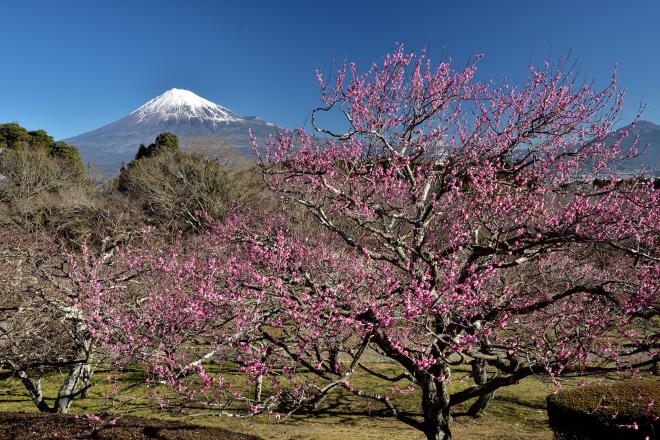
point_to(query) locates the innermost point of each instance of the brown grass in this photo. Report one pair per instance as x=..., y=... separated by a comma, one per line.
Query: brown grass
x=29, y=426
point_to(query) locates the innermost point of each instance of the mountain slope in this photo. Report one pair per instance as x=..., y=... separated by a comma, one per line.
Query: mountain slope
x=179, y=111
x=648, y=146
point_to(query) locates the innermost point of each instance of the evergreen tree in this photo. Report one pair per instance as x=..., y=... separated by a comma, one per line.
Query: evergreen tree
x=165, y=142
x=14, y=137
x=142, y=152
x=68, y=153
x=39, y=138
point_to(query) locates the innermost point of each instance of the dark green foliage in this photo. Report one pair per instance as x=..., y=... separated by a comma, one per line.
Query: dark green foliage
x=601, y=183
x=39, y=138
x=142, y=152
x=14, y=137
x=599, y=411
x=165, y=142
x=68, y=153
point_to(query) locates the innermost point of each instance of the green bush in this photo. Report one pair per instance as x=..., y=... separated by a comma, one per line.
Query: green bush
x=165, y=142
x=15, y=137
x=622, y=410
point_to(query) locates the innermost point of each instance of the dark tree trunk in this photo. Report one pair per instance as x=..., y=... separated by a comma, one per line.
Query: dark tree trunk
x=480, y=376
x=333, y=360
x=34, y=388
x=435, y=406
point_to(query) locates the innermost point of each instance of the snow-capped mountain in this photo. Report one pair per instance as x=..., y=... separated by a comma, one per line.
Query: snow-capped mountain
x=179, y=111
x=179, y=104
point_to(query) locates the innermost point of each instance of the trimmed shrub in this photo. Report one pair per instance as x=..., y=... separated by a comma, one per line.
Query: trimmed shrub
x=622, y=410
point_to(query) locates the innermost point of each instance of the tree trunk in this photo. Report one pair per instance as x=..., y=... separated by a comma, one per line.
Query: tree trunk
x=87, y=377
x=435, y=406
x=333, y=360
x=480, y=376
x=74, y=383
x=79, y=376
x=258, y=387
x=35, y=391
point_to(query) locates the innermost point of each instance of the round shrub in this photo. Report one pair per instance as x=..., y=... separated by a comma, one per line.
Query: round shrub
x=621, y=410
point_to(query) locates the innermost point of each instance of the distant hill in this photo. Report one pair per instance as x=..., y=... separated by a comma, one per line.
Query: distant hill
x=200, y=124
x=648, y=145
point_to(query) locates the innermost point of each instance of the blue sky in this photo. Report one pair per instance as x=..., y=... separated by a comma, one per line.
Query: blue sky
x=72, y=66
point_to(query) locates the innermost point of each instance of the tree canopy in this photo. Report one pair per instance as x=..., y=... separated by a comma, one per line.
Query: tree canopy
x=13, y=136
x=165, y=142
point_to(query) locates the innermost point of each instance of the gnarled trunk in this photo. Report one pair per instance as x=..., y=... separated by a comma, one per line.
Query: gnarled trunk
x=480, y=376
x=34, y=388
x=87, y=377
x=435, y=407
x=74, y=384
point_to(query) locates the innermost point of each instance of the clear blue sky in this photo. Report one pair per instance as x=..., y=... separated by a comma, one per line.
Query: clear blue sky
x=72, y=66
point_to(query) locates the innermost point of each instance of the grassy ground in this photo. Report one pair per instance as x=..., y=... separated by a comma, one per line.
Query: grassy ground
x=517, y=412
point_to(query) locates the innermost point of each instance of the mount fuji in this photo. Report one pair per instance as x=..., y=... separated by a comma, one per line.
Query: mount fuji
x=200, y=124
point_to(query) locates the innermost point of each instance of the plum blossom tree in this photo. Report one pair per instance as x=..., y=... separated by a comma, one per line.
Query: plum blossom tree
x=41, y=331
x=173, y=312
x=474, y=234
x=452, y=222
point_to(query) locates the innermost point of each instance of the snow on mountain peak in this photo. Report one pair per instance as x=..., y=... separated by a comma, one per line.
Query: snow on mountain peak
x=183, y=104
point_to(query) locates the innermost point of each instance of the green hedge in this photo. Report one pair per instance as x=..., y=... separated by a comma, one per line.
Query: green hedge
x=599, y=411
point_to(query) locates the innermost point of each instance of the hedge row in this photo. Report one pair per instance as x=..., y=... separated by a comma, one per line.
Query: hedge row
x=621, y=410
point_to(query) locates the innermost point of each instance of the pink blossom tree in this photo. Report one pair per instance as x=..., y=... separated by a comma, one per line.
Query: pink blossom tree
x=173, y=312
x=469, y=232
x=41, y=330
x=451, y=223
